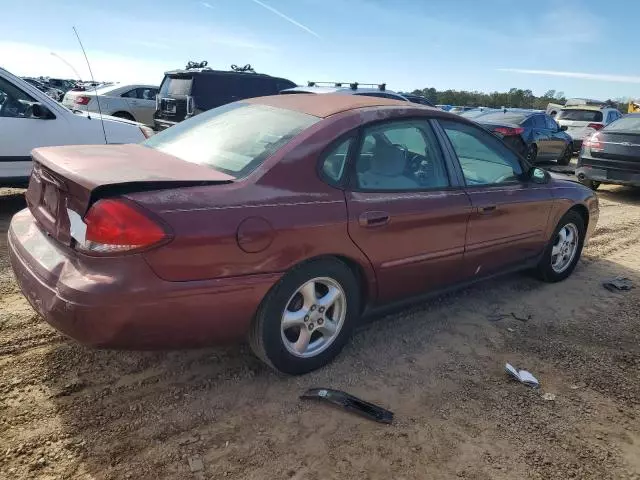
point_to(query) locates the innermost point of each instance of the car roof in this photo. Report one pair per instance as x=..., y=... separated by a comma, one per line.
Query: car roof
x=331, y=103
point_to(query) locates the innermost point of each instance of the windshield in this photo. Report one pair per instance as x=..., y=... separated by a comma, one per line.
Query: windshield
x=234, y=138
x=502, y=117
x=175, y=87
x=580, y=115
x=625, y=124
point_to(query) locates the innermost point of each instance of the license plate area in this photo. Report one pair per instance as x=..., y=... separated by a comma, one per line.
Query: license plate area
x=50, y=199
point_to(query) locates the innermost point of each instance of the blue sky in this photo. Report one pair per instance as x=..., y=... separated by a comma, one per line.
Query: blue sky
x=581, y=47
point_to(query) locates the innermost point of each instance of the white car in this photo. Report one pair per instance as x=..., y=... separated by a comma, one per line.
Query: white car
x=30, y=119
x=133, y=102
x=583, y=121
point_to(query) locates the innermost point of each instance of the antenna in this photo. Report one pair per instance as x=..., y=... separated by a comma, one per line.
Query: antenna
x=95, y=86
x=68, y=64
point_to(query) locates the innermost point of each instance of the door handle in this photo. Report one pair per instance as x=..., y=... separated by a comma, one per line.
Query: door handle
x=487, y=209
x=374, y=219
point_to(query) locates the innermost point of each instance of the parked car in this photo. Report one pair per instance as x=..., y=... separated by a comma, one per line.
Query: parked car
x=189, y=92
x=49, y=91
x=61, y=84
x=355, y=88
x=284, y=218
x=133, y=102
x=612, y=155
x=477, y=112
x=533, y=134
x=582, y=121
x=30, y=119
x=417, y=99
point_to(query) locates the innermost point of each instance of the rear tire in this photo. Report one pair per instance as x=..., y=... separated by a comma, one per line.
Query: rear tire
x=551, y=268
x=565, y=159
x=293, y=311
x=532, y=153
x=125, y=115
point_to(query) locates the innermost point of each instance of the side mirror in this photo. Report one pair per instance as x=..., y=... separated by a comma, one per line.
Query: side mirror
x=39, y=111
x=538, y=175
x=564, y=128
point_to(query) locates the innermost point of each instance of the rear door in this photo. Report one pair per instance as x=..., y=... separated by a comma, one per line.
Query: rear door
x=142, y=103
x=407, y=213
x=173, y=94
x=541, y=136
x=557, y=142
x=509, y=217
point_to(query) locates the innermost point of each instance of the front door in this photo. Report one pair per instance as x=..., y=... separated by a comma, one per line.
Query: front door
x=509, y=215
x=20, y=132
x=405, y=213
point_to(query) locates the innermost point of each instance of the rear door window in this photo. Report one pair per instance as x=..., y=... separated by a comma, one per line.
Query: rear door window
x=551, y=123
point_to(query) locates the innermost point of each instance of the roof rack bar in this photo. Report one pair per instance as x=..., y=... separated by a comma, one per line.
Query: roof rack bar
x=352, y=85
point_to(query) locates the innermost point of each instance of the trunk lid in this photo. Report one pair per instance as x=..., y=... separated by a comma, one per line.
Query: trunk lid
x=65, y=181
x=623, y=146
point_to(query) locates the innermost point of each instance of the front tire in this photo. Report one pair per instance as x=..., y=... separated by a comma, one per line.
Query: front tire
x=563, y=250
x=306, y=319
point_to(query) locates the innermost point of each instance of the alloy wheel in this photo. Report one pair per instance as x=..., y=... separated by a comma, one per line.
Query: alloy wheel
x=313, y=317
x=564, y=248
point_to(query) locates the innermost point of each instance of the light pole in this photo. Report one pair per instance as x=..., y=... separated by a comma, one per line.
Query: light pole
x=68, y=64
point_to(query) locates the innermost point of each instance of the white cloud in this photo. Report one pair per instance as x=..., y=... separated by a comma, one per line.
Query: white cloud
x=288, y=19
x=602, y=77
x=33, y=60
x=206, y=5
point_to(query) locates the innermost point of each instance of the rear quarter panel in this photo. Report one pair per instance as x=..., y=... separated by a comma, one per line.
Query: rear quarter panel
x=279, y=216
x=568, y=194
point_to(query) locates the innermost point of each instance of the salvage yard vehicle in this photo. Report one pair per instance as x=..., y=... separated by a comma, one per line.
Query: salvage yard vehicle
x=582, y=121
x=198, y=88
x=612, y=155
x=354, y=88
x=284, y=219
x=132, y=102
x=533, y=134
x=30, y=119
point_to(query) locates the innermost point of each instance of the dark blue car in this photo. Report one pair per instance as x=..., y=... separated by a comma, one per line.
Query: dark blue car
x=535, y=135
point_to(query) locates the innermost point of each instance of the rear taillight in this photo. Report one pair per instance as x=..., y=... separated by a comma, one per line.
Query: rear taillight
x=595, y=126
x=508, y=131
x=82, y=100
x=116, y=226
x=592, y=143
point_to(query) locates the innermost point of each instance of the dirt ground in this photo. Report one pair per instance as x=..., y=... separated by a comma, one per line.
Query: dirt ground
x=69, y=412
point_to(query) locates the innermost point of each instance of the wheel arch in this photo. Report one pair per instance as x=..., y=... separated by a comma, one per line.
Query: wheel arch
x=366, y=284
x=583, y=212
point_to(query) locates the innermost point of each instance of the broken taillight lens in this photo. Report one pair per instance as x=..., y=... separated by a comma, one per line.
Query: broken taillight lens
x=117, y=225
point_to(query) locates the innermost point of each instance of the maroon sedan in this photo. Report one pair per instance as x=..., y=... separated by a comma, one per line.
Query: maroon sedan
x=284, y=219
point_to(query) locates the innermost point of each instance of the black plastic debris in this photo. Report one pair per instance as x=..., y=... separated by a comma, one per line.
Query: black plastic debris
x=618, y=284
x=349, y=403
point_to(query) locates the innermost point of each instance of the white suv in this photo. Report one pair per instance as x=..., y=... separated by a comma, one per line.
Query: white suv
x=582, y=121
x=30, y=119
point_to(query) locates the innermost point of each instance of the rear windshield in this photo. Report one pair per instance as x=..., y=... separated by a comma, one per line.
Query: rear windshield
x=502, y=117
x=175, y=87
x=234, y=139
x=625, y=124
x=580, y=115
